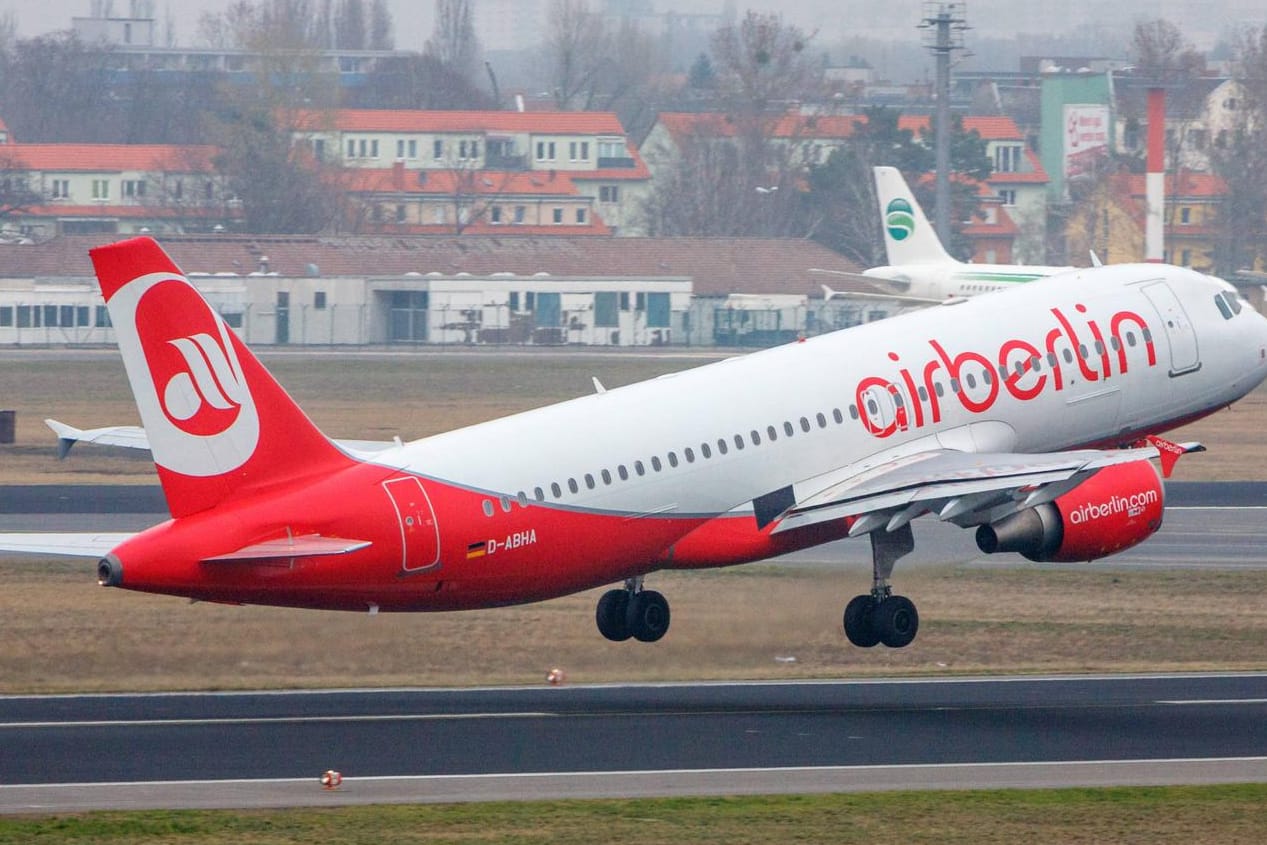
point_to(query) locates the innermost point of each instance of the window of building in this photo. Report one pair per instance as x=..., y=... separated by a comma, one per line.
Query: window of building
x=545, y=151
x=134, y=188
x=351, y=148
x=1008, y=196
x=580, y=215
x=412, y=148
x=609, y=193
x=400, y=148
x=557, y=215
x=520, y=211
x=6, y=316
x=606, y=314
x=1185, y=214
x=437, y=149
x=101, y=189
x=60, y=189
x=1007, y=158
x=495, y=214
x=319, y=300
x=401, y=213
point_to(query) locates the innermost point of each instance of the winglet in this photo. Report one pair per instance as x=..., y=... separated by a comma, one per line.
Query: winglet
x=67, y=436
x=1169, y=453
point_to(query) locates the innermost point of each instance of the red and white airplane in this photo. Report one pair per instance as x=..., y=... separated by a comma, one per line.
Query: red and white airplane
x=1019, y=414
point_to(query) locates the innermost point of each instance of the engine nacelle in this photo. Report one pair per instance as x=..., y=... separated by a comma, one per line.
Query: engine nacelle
x=1118, y=507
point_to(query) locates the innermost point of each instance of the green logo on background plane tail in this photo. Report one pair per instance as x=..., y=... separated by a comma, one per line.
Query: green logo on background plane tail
x=899, y=219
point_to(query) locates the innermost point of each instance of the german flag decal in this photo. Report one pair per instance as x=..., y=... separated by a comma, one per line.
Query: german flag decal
x=478, y=549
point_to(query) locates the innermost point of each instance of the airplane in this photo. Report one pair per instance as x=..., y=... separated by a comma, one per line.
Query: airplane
x=1029, y=418
x=920, y=271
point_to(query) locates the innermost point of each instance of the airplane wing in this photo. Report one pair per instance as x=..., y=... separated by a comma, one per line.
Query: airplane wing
x=965, y=488
x=71, y=545
x=133, y=437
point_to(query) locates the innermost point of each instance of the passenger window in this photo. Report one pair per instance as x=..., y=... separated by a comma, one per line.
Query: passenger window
x=655, y=463
x=572, y=485
x=739, y=442
x=589, y=481
x=607, y=477
x=822, y=420
x=639, y=468
x=556, y=490
x=706, y=450
x=673, y=459
x=756, y=438
x=840, y=418
x=539, y=494
x=721, y=445
x=488, y=507
x=787, y=428
x=689, y=454
x=622, y=472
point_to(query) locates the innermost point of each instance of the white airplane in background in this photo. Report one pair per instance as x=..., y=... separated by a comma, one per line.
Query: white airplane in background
x=920, y=271
x=1023, y=417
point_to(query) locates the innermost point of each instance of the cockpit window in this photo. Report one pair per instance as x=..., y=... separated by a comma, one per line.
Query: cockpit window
x=1229, y=304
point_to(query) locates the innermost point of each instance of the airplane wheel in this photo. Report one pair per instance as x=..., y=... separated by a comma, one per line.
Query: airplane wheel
x=648, y=616
x=612, y=615
x=896, y=621
x=859, y=622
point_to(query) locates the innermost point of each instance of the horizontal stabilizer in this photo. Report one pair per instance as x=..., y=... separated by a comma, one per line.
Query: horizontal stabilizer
x=306, y=545
x=127, y=436
x=71, y=545
x=134, y=437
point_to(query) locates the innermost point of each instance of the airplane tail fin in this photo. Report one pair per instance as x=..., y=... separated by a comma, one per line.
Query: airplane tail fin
x=218, y=424
x=908, y=237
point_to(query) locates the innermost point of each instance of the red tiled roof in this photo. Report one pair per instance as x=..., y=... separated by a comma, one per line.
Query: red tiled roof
x=485, y=227
x=717, y=266
x=113, y=157
x=1178, y=185
x=989, y=127
x=448, y=182
x=401, y=120
x=110, y=212
x=783, y=125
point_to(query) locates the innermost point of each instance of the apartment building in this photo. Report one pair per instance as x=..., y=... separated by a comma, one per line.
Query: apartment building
x=445, y=172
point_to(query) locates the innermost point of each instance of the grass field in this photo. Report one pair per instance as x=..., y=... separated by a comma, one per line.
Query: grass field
x=1170, y=816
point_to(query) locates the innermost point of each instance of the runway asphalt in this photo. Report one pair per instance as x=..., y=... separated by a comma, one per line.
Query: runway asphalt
x=269, y=749
x=70, y=753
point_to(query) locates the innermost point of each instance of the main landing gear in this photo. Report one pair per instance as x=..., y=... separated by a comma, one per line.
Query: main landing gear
x=632, y=612
x=882, y=617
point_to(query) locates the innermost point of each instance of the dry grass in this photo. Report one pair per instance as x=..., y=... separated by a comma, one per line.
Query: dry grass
x=63, y=633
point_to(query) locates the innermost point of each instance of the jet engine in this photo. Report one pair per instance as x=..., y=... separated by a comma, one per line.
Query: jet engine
x=1118, y=507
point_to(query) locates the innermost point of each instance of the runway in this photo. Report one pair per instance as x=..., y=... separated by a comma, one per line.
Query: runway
x=268, y=749
x=68, y=753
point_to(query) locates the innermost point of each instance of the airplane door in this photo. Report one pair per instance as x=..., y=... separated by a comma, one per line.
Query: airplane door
x=878, y=410
x=1182, y=339
x=419, y=534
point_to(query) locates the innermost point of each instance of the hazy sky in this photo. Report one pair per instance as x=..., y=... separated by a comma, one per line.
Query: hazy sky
x=833, y=20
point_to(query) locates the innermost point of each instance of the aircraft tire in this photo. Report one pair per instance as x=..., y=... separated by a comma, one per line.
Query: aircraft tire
x=648, y=616
x=896, y=621
x=860, y=626
x=612, y=615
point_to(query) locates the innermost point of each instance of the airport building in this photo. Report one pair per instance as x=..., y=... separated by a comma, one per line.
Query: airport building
x=467, y=291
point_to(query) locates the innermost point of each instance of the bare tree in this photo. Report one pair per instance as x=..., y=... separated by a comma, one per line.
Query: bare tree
x=1240, y=157
x=16, y=193
x=761, y=63
x=350, y=31
x=453, y=40
x=380, y=27
x=576, y=48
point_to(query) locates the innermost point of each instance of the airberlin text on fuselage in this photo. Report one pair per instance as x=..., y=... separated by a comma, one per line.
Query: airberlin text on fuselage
x=975, y=378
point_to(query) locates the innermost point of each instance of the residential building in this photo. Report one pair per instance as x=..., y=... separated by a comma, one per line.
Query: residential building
x=116, y=189
x=578, y=167
x=1111, y=220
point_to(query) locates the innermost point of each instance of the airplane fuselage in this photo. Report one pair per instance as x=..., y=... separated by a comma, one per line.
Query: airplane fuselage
x=663, y=473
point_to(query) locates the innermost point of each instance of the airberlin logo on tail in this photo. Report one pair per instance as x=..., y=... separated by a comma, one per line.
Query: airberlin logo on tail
x=899, y=219
x=198, y=412
x=207, y=384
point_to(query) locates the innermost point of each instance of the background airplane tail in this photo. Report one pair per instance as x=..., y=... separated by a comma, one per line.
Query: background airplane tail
x=218, y=424
x=908, y=237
